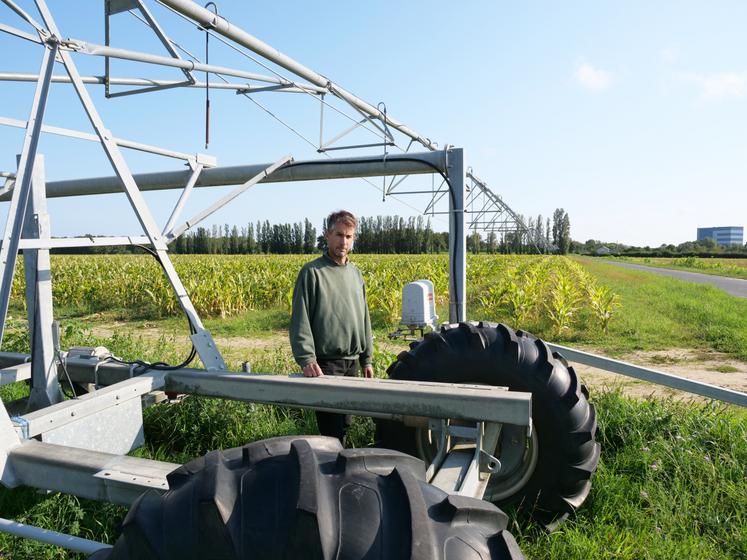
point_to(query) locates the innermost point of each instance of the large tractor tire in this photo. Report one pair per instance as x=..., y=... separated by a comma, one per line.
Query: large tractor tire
x=306, y=497
x=552, y=478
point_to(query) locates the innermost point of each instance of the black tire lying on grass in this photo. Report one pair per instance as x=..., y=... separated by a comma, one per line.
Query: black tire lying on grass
x=306, y=497
x=553, y=479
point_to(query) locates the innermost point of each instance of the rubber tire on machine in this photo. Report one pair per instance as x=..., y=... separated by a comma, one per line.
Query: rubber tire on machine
x=554, y=477
x=306, y=497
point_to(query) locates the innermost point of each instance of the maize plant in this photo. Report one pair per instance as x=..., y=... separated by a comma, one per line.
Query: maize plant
x=516, y=288
x=603, y=302
x=563, y=302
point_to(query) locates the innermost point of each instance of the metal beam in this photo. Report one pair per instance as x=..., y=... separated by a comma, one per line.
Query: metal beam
x=11, y=374
x=101, y=80
x=176, y=212
x=84, y=47
x=22, y=34
x=89, y=241
x=434, y=400
x=95, y=475
x=76, y=544
x=653, y=376
x=45, y=389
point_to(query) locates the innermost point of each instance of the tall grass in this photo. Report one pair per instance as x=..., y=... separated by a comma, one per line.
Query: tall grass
x=659, y=312
x=671, y=484
x=734, y=268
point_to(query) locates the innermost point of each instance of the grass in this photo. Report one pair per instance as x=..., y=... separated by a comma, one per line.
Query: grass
x=725, y=369
x=732, y=268
x=660, y=312
x=671, y=484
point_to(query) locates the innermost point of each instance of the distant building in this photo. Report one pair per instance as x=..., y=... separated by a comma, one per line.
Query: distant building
x=727, y=235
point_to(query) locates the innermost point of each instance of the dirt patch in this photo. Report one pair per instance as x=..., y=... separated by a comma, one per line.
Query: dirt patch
x=713, y=368
x=700, y=365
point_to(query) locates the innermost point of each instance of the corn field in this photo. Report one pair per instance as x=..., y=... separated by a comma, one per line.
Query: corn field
x=548, y=294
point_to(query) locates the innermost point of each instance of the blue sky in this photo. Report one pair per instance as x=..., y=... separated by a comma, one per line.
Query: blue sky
x=629, y=115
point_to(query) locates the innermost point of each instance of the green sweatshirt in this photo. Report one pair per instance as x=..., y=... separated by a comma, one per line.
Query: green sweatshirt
x=330, y=317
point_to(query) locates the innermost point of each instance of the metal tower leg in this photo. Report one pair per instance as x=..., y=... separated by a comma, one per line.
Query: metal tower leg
x=21, y=190
x=45, y=389
x=455, y=171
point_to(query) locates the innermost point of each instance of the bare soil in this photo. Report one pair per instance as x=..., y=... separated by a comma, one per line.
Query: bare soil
x=708, y=367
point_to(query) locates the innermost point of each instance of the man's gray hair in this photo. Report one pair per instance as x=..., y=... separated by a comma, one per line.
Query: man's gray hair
x=340, y=216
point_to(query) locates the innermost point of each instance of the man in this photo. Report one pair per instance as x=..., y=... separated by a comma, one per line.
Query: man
x=330, y=331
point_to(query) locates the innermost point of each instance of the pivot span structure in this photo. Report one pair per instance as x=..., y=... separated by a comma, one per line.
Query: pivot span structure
x=480, y=440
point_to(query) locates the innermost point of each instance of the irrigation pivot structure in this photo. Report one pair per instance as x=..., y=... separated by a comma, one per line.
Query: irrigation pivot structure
x=532, y=446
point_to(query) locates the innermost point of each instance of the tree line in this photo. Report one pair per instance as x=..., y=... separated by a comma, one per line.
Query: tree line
x=375, y=234
x=264, y=237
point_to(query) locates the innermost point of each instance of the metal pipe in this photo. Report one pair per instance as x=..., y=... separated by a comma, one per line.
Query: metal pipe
x=653, y=376
x=101, y=80
x=125, y=54
x=17, y=123
x=54, y=538
x=310, y=170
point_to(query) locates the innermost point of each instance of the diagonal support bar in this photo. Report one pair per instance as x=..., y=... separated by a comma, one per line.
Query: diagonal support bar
x=196, y=170
x=25, y=16
x=205, y=345
x=205, y=159
x=21, y=192
x=18, y=33
x=162, y=37
x=193, y=221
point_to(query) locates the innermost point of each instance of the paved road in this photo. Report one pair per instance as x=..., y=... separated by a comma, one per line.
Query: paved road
x=734, y=286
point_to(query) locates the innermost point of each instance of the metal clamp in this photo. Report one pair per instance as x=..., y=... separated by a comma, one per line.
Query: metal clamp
x=23, y=424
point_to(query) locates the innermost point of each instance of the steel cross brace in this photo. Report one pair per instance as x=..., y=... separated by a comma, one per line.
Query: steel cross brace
x=196, y=219
x=165, y=41
x=203, y=341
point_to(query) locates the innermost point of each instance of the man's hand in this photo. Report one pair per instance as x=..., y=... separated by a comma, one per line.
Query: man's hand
x=368, y=371
x=312, y=370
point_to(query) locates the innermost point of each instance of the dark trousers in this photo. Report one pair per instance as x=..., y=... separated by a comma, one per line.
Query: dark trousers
x=330, y=423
